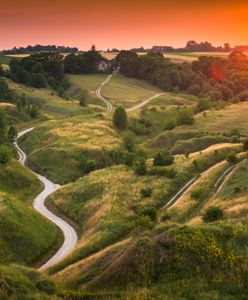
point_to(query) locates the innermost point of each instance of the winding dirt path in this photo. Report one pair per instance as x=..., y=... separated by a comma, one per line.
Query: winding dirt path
x=100, y=96
x=144, y=103
x=70, y=235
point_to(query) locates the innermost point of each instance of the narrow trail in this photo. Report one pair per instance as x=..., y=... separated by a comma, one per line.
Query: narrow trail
x=99, y=95
x=218, y=185
x=143, y=103
x=110, y=106
x=70, y=235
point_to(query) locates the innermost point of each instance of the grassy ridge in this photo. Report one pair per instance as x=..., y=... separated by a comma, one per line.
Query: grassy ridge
x=52, y=146
x=165, y=263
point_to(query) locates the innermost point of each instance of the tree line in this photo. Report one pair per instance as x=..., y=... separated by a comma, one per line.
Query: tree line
x=40, y=48
x=212, y=77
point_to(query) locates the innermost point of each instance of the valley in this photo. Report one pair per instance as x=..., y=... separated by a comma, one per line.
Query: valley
x=134, y=204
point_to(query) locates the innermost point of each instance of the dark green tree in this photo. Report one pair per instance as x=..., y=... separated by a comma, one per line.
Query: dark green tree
x=120, y=118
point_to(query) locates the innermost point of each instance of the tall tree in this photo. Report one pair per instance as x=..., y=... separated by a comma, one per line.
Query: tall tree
x=120, y=118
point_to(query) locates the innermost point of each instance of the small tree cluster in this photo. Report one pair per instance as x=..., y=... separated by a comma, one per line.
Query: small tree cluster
x=163, y=159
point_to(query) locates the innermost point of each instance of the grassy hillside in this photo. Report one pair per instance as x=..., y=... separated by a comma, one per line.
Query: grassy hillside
x=128, y=92
x=21, y=242
x=19, y=182
x=18, y=282
x=52, y=147
x=107, y=204
x=165, y=262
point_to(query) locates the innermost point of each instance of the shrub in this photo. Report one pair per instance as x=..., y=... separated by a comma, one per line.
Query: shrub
x=165, y=216
x=46, y=286
x=84, y=95
x=34, y=111
x=150, y=212
x=163, y=171
x=212, y=214
x=90, y=166
x=185, y=117
x=140, y=167
x=12, y=133
x=120, y=118
x=146, y=192
x=198, y=193
x=5, y=154
x=163, y=159
x=232, y=158
x=128, y=142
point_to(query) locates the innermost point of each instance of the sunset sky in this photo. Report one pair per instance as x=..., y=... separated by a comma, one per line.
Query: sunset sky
x=122, y=24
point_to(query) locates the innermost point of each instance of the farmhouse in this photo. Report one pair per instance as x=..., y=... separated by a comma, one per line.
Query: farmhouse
x=103, y=66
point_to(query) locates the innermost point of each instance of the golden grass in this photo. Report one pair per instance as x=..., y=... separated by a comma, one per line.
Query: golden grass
x=215, y=147
x=78, y=268
x=231, y=117
x=186, y=201
x=6, y=104
x=86, y=134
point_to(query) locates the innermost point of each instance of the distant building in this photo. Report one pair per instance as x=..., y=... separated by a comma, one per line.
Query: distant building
x=103, y=66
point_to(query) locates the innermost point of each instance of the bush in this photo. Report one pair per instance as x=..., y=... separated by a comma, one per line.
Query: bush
x=120, y=118
x=128, y=142
x=140, y=167
x=46, y=286
x=232, y=158
x=83, y=97
x=146, y=192
x=163, y=159
x=198, y=193
x=185, y=117
x=90, y=166
x=165, y=216
x=12, y=133
x=163, y=171
x=5, y=154
x=149, y=212
x=212, y=214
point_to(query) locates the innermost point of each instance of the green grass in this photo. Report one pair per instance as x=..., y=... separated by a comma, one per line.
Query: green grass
x=52, y=147
x=128, y=92
x=88, y=82
x=19, y=182
x=18, y=282
x=25, y=235
x=5, y=60
x=237, y=184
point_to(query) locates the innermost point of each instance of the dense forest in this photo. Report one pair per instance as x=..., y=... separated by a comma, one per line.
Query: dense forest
x=213, y=77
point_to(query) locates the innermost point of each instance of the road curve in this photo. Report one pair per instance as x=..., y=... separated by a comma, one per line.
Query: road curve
x=143, y=103
x=179, y=195
x=99, y=95
x=70, y=235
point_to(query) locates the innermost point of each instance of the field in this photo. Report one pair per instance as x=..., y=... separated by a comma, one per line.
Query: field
x=176, y=56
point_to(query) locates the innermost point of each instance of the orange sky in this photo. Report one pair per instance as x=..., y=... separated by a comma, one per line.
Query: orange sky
x=122, y=24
